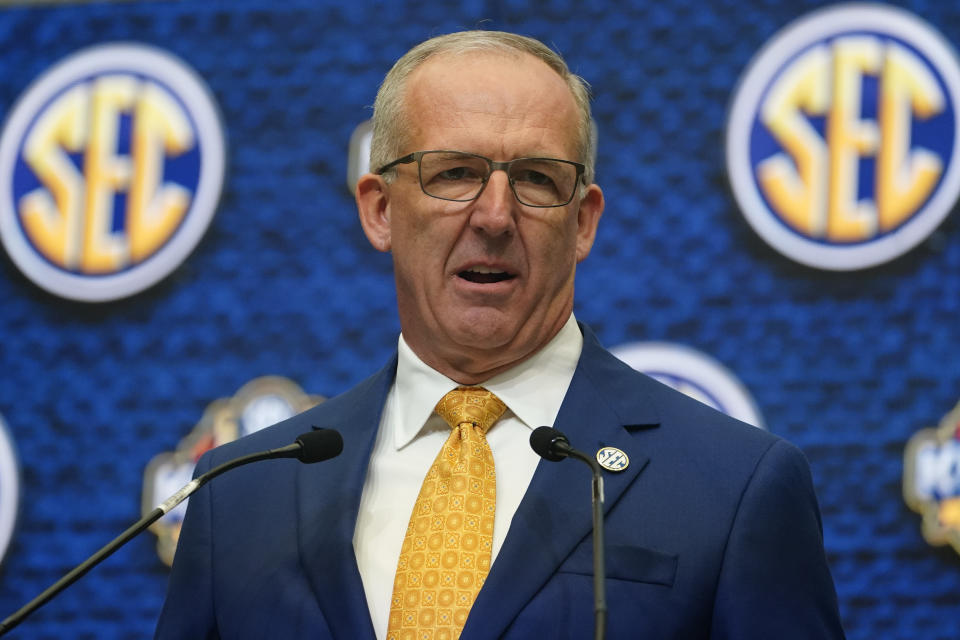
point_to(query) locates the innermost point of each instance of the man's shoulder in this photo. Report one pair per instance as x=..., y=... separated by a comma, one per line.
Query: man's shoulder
x=675, y=414
x=692, y=446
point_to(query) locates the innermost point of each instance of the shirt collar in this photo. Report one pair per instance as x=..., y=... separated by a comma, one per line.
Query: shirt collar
x=533, y=390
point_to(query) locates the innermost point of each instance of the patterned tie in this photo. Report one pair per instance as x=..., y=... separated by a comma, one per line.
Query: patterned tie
x=446, y=553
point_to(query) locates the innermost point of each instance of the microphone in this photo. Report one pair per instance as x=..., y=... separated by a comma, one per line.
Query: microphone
x=318, y=445
x=310, y=447
x=550, y=444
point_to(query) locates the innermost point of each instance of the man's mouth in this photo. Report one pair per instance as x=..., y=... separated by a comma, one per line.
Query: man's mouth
x=484, y=275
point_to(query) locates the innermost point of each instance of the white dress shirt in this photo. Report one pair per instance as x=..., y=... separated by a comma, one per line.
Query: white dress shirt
x=411, y=434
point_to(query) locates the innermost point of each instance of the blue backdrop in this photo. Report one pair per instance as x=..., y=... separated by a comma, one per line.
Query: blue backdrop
x=846, y=365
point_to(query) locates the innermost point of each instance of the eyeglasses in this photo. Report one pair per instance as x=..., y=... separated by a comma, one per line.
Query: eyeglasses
x=461, y=177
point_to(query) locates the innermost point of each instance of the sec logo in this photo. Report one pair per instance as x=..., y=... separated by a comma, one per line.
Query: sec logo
x=842, y=147
x=111, y=166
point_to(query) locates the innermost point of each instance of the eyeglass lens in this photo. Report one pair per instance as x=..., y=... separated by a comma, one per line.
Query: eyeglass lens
x=460, y=176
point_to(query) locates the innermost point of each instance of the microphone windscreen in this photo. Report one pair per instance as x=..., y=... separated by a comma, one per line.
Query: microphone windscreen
x=543, y=441
x=319, y=444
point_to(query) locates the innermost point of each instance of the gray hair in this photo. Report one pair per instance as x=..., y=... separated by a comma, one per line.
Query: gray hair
x=389, y=130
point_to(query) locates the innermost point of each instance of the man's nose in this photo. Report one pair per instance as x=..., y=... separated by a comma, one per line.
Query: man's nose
x=495, y=208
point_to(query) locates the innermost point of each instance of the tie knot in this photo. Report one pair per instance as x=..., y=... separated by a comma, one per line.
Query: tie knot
x=474, y=405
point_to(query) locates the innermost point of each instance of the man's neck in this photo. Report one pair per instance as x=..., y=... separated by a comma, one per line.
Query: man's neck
x=477, y=366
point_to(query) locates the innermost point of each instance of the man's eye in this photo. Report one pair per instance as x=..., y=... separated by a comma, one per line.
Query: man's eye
x=457, y=173
x=535, y=178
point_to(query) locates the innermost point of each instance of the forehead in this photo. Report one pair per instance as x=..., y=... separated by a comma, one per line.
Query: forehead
x=495, y=103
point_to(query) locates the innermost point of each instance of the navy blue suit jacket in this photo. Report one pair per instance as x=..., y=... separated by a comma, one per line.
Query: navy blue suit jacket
x=713, y=531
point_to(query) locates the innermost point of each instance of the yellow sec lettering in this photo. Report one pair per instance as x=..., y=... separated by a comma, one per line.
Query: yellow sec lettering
x=905, y=178
x=70, y=217
x=161, y=128
x=107, y=173
x=798, y=194
x=55, y=223
x=813, y=185
x=849, y=138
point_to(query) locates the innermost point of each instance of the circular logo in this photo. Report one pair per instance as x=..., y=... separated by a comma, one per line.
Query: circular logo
x=694, y=373
x=9, y=488
x=842, y=147
x=613, y=459
x=111, y=167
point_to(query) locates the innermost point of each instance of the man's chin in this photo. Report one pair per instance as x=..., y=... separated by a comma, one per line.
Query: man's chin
x=479, y=330
x=482, y=336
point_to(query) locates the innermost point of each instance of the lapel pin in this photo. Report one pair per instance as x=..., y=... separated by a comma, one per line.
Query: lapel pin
x=612, y=459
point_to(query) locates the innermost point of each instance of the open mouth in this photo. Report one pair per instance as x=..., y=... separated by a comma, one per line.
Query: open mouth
x=483, y=275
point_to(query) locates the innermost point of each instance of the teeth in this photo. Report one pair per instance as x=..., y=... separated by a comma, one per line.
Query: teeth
x=485, y=270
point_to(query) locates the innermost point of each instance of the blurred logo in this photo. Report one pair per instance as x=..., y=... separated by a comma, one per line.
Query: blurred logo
x=111, y=166
x=931, y=480
x=842, y=147
x=9, y=488
x=258, y=404
x=694, y=373
x=358, y=158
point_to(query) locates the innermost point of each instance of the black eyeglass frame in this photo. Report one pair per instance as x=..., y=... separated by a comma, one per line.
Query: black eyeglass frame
x=494, y=165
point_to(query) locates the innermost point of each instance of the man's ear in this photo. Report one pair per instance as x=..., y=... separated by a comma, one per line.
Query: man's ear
x=374, y=210
x=591, y=208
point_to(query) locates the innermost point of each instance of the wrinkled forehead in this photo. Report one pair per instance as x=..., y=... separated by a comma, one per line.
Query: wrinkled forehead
x=503, y=93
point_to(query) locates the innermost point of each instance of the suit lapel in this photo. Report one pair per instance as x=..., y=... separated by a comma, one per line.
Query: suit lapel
x=555, y=513
x=328, y=500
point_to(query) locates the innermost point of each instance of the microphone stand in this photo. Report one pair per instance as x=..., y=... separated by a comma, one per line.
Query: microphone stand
x=599, y=566
x=289, y=451
x=552, y=445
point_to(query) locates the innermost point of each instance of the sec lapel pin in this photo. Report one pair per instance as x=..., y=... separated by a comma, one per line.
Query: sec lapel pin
x=612, y=459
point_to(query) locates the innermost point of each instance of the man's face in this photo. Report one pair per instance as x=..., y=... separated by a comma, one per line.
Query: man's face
x=482, y=285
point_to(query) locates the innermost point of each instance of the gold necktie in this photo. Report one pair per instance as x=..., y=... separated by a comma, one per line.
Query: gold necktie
x=446, y=553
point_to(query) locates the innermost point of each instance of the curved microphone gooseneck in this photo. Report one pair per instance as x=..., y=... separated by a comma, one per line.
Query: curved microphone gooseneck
x=313, y=446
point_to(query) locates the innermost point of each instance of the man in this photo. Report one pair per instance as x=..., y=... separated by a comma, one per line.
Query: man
x=484, y=196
